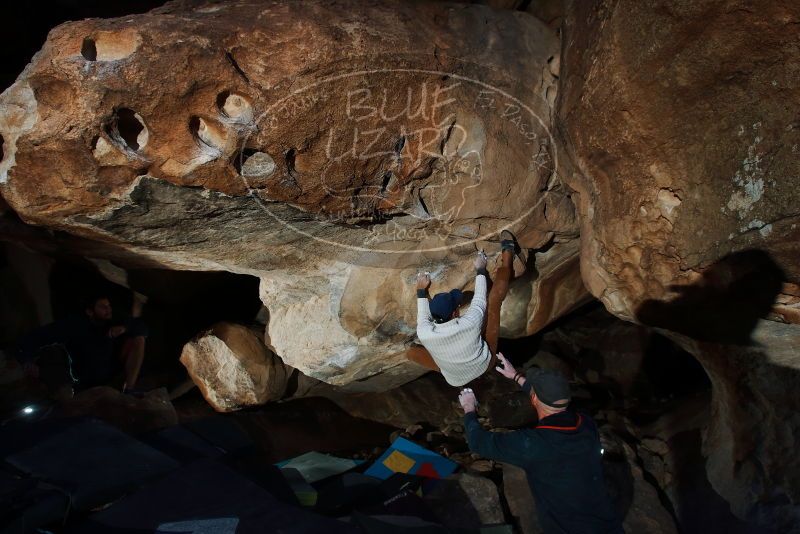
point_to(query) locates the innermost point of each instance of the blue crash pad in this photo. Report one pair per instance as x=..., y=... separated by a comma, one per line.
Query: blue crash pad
x=405, y=456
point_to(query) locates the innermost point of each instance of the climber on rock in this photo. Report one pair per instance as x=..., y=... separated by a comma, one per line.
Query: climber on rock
x=463, y=346
x=86, y=350
x=561, y=455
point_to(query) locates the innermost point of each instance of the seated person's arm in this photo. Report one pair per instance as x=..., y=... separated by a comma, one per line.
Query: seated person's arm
x=135, y=327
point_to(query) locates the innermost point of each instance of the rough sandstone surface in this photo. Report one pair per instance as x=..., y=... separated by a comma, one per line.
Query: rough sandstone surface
x=233, y=368
x=333, y=150
x=684, y=149
x=253, y=137
x=750, y=441
x=684, y=156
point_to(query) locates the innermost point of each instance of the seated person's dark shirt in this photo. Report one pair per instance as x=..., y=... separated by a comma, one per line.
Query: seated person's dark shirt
x=563, y=467
x=93, y=361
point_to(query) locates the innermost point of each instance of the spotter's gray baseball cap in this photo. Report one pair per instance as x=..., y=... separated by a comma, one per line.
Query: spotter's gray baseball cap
x=549, y=385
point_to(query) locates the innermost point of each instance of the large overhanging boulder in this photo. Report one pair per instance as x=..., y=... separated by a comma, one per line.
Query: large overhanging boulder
x=331, y=149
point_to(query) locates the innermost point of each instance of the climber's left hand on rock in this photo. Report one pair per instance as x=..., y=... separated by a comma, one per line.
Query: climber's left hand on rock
x=480, y=261
x=423, y=281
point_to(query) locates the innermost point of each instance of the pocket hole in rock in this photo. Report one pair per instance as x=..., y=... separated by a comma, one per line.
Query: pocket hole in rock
x=242, y=156
x=234, y=106
x=208, y=133
x=387, y=178
x=197, y=127
x=127, y=128
x=111, y=45
x=2, y=149
x=291, y=155
x=398, y=146
x=252, y=163
x=89, y=49
x=221, y=99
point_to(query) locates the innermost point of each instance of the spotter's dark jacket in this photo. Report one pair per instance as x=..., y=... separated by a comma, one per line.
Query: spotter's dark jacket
x=562, y=459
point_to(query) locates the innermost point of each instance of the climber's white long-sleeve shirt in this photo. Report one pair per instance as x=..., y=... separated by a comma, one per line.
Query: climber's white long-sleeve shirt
x=457, y=346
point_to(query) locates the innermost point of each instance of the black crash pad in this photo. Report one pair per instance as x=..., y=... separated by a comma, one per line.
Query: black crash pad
x=207, y=497
x=182, y=444
x=89, y=460
x=222, y=432
x=26, y=503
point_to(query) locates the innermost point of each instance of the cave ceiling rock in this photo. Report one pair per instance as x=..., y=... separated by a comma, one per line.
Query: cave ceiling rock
x=332, y=150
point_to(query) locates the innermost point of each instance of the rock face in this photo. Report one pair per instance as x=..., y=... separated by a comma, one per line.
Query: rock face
x=331, y=149
x=233, y=369
x=634, y=497
x=754, y=423
x=520, y=499
x=683, y=147
x=684, y=156
x=335, y=149
x=466, y=501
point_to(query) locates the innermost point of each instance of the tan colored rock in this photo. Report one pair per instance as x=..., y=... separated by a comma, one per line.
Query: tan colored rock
x=787, y=305
x=552, y=288
x=684, y=150
x=333, y=150
x=233, y=369
x=683, y=153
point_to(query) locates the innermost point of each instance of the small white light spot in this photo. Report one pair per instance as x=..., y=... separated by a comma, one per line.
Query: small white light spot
x=602, y=451
x=27, y=410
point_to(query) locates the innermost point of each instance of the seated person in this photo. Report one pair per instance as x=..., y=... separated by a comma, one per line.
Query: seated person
x=87, y=344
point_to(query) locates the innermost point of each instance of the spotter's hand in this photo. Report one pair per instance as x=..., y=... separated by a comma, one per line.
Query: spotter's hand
x=505, y=368
x=467, y=400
